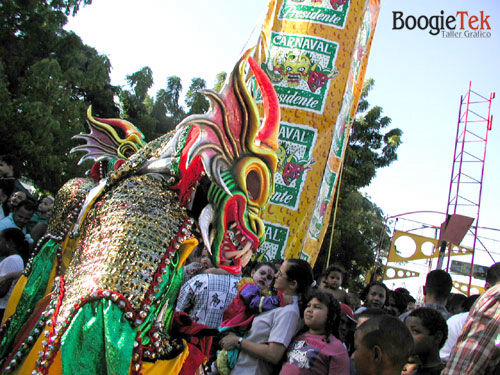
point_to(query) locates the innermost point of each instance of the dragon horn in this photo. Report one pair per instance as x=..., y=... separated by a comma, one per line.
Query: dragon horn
x=120, y=130
x=267, y=135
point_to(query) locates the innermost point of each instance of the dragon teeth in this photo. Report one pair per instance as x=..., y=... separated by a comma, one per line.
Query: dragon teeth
x=246, y=249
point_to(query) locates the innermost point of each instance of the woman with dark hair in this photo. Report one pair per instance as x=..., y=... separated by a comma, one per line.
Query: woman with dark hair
x=272, y=331
x=374, y=295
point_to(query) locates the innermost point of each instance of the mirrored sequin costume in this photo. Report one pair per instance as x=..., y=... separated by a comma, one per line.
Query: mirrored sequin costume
x=98, y=295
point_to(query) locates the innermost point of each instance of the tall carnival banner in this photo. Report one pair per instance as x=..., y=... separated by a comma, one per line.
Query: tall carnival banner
x=315, y=52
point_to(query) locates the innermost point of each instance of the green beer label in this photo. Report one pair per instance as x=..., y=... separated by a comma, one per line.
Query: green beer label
x=301, y=69
x=294, y=161
x=326, y=12
x=276, y=237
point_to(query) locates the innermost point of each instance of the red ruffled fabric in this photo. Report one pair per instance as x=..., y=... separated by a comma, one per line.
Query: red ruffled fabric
x=199, y=337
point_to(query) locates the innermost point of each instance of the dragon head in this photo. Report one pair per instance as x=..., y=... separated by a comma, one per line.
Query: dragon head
x=222, y=163
x=238, y=158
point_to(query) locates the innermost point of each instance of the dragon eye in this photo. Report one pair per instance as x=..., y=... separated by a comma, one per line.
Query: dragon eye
x=254, y=185
x=254, y=178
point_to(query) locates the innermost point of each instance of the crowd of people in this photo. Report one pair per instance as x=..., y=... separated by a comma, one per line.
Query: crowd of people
x=276, y=319
x=23, y=221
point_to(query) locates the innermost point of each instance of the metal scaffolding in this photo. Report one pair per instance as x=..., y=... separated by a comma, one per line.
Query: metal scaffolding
x=467, y=172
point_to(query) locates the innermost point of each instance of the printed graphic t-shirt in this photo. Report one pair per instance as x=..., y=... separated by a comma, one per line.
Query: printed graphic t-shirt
x=311, y=354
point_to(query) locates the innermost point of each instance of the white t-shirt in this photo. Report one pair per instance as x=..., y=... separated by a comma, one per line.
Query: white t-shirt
x=13, y=263
x=455, y=324
x=280, y=326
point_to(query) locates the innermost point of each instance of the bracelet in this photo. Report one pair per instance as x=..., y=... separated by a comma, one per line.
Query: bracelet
x=240, y=340
x=261, y=303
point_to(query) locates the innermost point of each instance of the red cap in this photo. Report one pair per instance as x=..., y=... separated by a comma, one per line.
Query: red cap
x=347, y=311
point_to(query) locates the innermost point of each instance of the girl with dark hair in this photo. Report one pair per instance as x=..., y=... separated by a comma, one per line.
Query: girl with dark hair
x=318, y=350
x=272, y=331
x=254, y=297
x=374, y=295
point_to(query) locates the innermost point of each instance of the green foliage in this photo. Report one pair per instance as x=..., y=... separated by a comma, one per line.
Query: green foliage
x=369, y=147
x=360, y=227
x=195, y=99
x=219, y=81
x=48, y=77
x=159, y=114
x=141, y=81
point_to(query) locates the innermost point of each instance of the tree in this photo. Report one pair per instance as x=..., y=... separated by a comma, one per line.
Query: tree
x=137, y=105
x=48, y=77
x=369, y=147
x=360, y=225
x=195, y=100
x=175, y=112
x=158, y=115
x=220, y=78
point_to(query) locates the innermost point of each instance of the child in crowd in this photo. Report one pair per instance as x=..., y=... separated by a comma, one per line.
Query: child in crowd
x=39, y=222
x=347, y=327
x=429, y=331
x=391, y=306
x=253, y=297
x=332, y=281
x=382, y=346
x=402, y=298
x=374, y=295
x=318, y=350
x=454, y=303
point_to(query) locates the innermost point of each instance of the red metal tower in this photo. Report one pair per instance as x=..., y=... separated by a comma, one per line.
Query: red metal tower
x=467, y=172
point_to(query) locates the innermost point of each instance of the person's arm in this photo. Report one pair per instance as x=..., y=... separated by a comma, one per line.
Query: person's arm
x=252, y=296
x=284, y=328
x=271, y=352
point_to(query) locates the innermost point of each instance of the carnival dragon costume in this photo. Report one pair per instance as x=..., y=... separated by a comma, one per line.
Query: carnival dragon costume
x=99, y=294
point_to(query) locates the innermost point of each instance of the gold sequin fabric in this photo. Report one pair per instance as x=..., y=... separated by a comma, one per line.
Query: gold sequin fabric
x=124, y=237
x=68, y=197
x=152, y=150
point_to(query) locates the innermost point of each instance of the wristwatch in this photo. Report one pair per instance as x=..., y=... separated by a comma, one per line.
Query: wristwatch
x=240, y=340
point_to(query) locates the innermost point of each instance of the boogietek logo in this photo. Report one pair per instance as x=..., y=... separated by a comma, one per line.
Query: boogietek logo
x=460, y=25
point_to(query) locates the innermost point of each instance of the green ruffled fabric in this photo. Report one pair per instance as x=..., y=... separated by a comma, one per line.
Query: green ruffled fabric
x=167, y=293
x=34, y=290
x=99, y=340
x=171, y=293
